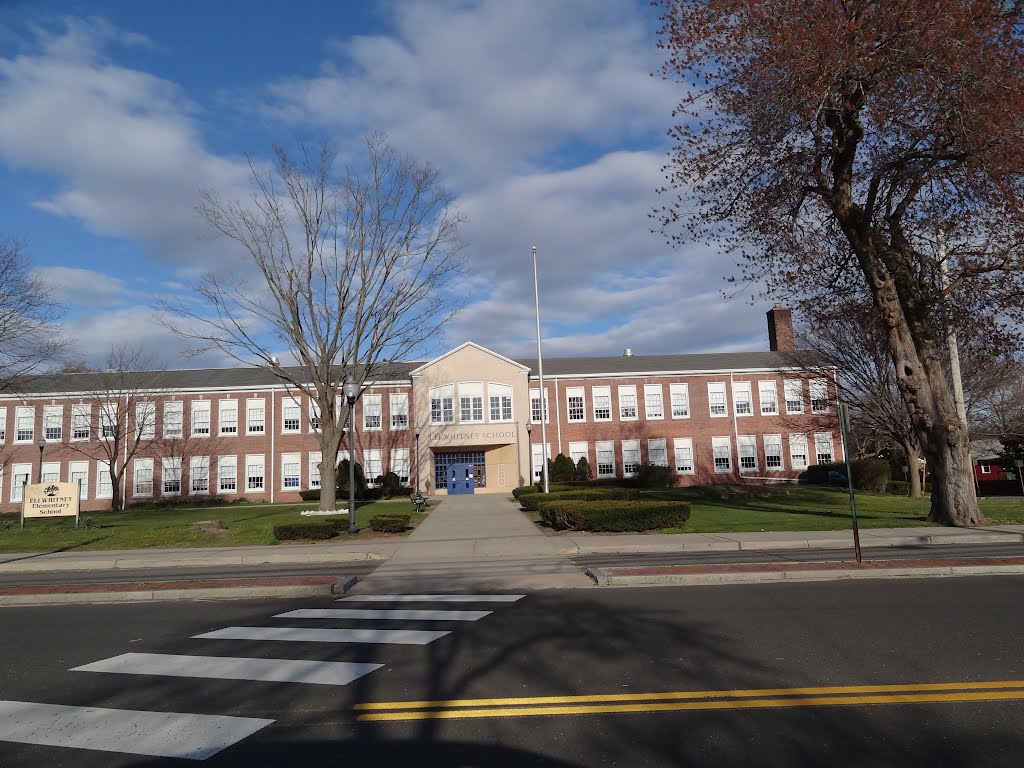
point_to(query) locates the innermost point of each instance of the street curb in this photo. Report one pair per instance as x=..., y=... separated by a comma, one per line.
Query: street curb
x=607, y=577
x=177, y=590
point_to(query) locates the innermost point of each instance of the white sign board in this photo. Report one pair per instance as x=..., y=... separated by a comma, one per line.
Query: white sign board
x=50, y=500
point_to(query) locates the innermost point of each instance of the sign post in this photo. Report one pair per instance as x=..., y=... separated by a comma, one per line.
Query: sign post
x=50, y=500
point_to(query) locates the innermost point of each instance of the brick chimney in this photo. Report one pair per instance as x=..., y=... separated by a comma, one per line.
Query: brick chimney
x=780, y=330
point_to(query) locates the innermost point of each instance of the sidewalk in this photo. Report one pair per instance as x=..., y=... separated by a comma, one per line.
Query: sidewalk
x=471, y=543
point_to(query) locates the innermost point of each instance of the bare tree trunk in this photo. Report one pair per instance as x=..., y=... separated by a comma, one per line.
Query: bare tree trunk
x=115, y=485
x=913, y=459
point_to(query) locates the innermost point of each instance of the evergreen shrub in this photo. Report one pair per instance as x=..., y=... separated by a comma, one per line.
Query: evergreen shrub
x=613, y=515
x=317, y=530
x=393, y=523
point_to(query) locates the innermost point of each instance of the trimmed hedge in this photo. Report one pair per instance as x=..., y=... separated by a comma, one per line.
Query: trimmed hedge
x=868, y=474
x=317, y=530
x=393, y=523
x=523, y=490
x=614, y=516
x=898, y=488
x=532, y=502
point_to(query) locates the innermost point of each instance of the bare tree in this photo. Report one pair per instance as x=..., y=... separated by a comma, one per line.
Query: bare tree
x=849, y=146
x=353, y=271
x=28, y=315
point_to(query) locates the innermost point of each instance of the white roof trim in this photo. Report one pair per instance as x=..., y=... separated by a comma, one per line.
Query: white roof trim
x=474, y=345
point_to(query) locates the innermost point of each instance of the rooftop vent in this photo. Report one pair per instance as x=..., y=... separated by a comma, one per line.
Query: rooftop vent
x=627, y=352
x=275, y=362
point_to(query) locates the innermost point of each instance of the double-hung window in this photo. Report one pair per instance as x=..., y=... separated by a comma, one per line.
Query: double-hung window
x=315, y=421
x=227, y=474
x=798, y=451
x=143, y=477
x=199, y=473
x=471, y=401
x=773, y=452
x=630, y=457
x=400, y=464
x=373, y=461
x=372, y=412
x=53, y=422
x=602, y=403
x=680, y=394
x=769, y=398
x=314, y=468
x=716, y=398
x=145, y=421
x=3, y=425
x=291, y=416
x=605, y=450
x=104, y=486
x=574, y=404
x=81, y=421
x=173, y=416
x=501, y=401
x=684, y=455
x=746, y=446
x=819, y=395
x=722, y=451
x=823, y=447
x=656, y=452
x=227, y=416
x=19, y=479
x=794, y=391
x=654, y=407
x=442, y=404
x=256, y=419
x=741, y=398
x=577, y=451
x=535, y=407
x=398, y=403
x=201, y=418
x=539, y=455
x=78, y=472
x=24, y=424
x=170, y=473
x=627, y=402
x=254, y=473
x=291, y=465
x=108, y=421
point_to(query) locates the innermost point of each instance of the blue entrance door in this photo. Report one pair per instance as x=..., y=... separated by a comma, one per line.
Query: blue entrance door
x=460, y=478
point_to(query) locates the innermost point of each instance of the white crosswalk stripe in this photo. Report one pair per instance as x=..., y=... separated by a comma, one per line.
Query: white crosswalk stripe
x=431, y=598
x=233, y=668
x=388, y=615
x=156, y=734
x=305, y=635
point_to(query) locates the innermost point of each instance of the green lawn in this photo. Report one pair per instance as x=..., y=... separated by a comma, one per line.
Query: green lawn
x=142, y=528
x=813, y=508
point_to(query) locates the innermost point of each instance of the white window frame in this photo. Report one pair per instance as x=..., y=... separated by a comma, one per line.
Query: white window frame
x=373, y=458
x=169, y=467
x=721, y=448
x=227, y=427
x=607, y=447
x=682, y=450
x=768, y=395
x=718, y=404
x=3, y=428
x=798, y=447
x=53, y=423
x=398, y=410
x=373, y=412
x=746, y=451
x=770, y=441
x=104, y=486
x=575, y=414
x=537, y=459
x=255, y=473
x=108, y=421
x=742, y=398
x=602, y=397
x=400, y=464
x=291, y=470
x=471, y=402
x=198, y=466
x=315, y=416
x=442, y=404
x=630, y=457
x=174, y=419
x=80, y=468
x=793, y=391
x=21, y=475
x=146, y=467
x=654, y=402
x=230, y=462
x=255, y=422
x=535, y=406
x=291, y=411
x=629, y=410
x=315, y=457
x=679, y=394
x=824, y=439
x=818, y=389
x=499, y=397
x=656, y=445
x=51, y=472
x=200, y=418
x=81, y=422
x=24, y=424
x=577, y=450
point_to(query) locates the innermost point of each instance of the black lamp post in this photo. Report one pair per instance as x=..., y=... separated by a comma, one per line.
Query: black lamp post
x=42, y=444
x=351, y=392
x=529, y=436
x=416, y=432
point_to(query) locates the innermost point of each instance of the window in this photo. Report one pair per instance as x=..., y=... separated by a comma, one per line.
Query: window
x=201, y=418
x=537, y=461
x=143, y=477
x=400, y=464
x=722, y=452
x=170, y=472
x=228, y=417
x=315, y=422
x=741, y=398
x=605, y=451
x=81, y=421
x=24, y=424
x=798, y=451
x=104, y=487
x=769, y=398
x=173, y=417
x=145, y=421
x=627, y=403
x=227, y=474
x=291, y=479
x=108, y=421
x=471, y=401
x=53, y=422
x=254, y=471
x=574, y=403
x=19, y=479
x=716, y=398
x=441, y=404
x=501, y=402
x=680, y=394
x=656, y=452
x=819, y=396
x=630, y=457
x=986, y=469
x=684, y=455
x=373, y=465
x=577, y=451
x=371, y=412
x=399, y=406
x=314, y=469
x=78, y=472
x=654, y=407
x=823, y=447
x=746, y=447
x=535, y=406
x=51, y=472
x=794, y=391
x=772, y=452
x=255, y=418
x=602, y=403
x=291, y=416
x=3, y=424
x=199, y=473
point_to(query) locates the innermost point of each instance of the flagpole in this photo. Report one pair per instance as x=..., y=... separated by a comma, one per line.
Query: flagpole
x=540, y=379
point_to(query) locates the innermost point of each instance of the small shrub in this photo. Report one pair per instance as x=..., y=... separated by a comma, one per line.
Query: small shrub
x=654, y=476
x=391, y=485
x=313, y=494
x=561, y=469
x=241, y=500
x=393, y=523
x=583, y=472
x=614, y=515
x=317, y=530
x=7, y=524
x=898, y=488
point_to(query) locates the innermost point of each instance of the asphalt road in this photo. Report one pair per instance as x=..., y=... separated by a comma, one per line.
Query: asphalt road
x=696, y=676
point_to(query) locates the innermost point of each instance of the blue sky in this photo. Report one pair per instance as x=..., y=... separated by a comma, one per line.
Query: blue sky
x=543, y=117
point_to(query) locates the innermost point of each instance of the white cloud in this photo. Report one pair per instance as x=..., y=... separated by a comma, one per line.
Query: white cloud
x=84, y=287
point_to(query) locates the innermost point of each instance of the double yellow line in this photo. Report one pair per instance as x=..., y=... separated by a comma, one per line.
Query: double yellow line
x=677, y=701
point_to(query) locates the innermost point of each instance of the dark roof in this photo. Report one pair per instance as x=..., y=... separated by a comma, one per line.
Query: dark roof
x=646, y=364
